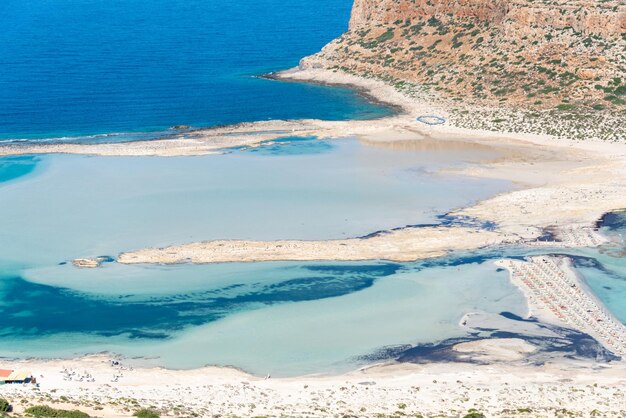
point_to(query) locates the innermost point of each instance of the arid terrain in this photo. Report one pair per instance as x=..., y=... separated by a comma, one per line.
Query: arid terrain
x=554, y=67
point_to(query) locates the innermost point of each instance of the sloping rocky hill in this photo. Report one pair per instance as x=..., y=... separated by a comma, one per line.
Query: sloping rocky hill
x=562, y=59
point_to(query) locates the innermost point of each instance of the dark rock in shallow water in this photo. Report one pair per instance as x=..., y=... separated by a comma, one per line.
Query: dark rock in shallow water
x=385, y=353
x=92, y=262
x=613, y=220
x=510, y=315
x=549, y=340
x=548, y=236
x=442, y=352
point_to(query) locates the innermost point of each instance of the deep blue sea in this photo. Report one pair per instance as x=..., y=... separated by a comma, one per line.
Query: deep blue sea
x=74, y=68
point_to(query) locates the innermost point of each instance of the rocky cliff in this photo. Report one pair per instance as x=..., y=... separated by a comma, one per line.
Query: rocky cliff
x=587, y=17
x=546, y=55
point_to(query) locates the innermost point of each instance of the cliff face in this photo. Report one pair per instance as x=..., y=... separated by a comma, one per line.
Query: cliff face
x=608, y=18
x=374, y=12
x=550, y=54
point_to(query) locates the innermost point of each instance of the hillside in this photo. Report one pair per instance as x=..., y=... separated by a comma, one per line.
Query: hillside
x=555, y=67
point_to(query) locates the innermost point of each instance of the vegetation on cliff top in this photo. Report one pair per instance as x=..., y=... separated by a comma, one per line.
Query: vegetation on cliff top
x=542, y=59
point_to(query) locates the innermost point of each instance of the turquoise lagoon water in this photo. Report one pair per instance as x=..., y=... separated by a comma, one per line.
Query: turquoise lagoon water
x=14, y=167
x=81, y=206
x=278, y=318
x=71, y=69
x=607, y=278
x=605, y=269
x=281, y=318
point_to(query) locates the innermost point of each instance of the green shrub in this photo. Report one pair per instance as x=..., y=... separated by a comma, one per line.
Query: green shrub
x=620, y=91
x=46, y=411
x=472, y=413
x=4, y=405
x=615, y=100
x=385, y=36
x=146, y=413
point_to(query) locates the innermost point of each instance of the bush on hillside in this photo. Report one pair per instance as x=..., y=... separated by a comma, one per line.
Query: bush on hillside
x=46, y=411
x=146, y=413
x=472, y=413
x=5, y=406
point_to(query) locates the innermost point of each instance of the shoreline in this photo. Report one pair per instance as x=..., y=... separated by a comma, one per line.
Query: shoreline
x=404, y=244
x=218, y=138
x=202, y=140
x=555, y=294
x=396, y=108
x=428, y=389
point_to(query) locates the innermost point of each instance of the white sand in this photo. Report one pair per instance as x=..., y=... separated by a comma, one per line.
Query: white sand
x=401, y=245
x=434, y=389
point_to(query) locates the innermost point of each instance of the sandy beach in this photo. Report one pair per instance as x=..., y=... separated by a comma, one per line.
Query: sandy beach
x=556, y=295
x=450, y=390
x=402, y=245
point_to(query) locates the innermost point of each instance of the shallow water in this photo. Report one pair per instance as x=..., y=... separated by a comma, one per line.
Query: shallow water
x=607, y=279
x=325, y=316
x=278, y=318
x=605, y=270
x=81, y=206
x=14, y=167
